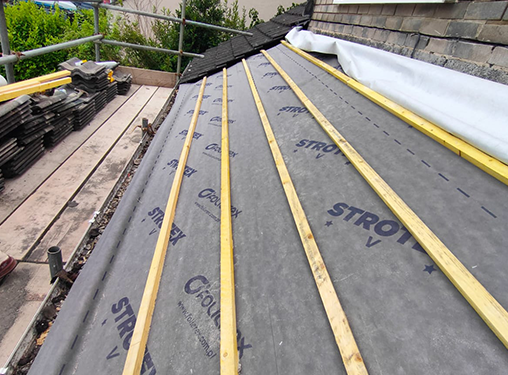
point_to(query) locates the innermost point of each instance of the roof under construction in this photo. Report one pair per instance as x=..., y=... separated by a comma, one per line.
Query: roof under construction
x=264, y=35
x=405, y=314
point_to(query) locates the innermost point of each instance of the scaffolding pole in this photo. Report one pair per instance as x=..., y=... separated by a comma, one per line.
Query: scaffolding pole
x=96, y=32
x=6, y=49
x=180, y=41
x=174, y=19
x=148, y=48
x=48, y=49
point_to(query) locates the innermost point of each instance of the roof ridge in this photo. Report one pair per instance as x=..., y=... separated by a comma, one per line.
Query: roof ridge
x=261, y=31
x=264, y=36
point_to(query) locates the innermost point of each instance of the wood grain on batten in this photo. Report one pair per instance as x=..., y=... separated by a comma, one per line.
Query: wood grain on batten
x=34, y=81
x=144, y=320
x=228, y=345
x=351, y=357
x=32, y=88
x=475, y=293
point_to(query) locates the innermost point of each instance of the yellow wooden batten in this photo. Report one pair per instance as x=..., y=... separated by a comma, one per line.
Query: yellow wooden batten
x=144, y=319
x=353, y=361
x=487, y=163
x=34, y=81
x=228, y=345
x=480, y=299
x=40, y=87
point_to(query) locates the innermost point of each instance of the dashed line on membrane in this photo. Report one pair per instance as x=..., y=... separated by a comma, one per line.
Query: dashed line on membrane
x=463, y=192
x=490, y=213
x=443, y=176
x=377, y=126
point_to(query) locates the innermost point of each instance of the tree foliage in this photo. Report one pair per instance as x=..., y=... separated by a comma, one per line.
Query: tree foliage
x=31, y=26
x=198, y=39
x=254, y=18
x=282, y=10
x=29, y=29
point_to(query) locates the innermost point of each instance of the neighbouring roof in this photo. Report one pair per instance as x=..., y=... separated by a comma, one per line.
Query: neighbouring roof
x=265, y=35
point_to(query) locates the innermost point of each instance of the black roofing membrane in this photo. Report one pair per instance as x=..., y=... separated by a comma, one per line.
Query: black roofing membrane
x=405, y=314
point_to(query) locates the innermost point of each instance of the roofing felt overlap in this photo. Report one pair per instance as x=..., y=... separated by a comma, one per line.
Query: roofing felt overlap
x=405, y=314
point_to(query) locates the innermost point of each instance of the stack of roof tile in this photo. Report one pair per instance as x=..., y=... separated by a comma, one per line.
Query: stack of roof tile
x=28, y=125
x=124, y=82
x=24, y=159
x=56, y=110
x=14, y=113
x=100, y=100
x=14, y=155
x=37, y=127
x=112, y=91
x=8, y=149
x=84, y=112
x=87, y=76
x=63, y=126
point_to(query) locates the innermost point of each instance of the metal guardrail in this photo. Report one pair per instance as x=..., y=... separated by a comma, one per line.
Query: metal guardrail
x=14, y=58
x=147, y=48
x=174, y=19
x=8, y=59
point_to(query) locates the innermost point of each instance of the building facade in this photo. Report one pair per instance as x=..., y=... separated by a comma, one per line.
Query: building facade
x=467, y=36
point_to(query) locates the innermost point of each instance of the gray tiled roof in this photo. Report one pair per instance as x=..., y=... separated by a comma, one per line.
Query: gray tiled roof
x=265, y=35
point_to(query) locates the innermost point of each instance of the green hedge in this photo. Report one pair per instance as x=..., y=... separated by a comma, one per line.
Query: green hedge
x=31, y=26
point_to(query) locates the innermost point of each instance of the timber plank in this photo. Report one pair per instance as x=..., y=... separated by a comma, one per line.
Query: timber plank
x=40, y=87
x=34, y=81
x=23, y=229
x=351, y=356
x=73, y=223
x=139, y=338
x=228, y=341
x=18, y=189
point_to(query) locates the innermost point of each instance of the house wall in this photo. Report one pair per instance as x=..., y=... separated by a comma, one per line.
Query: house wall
x=468, y=36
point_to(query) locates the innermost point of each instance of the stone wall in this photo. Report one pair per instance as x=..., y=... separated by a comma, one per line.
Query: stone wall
x=468, y=36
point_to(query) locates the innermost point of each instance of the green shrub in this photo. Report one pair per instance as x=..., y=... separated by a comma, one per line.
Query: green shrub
x=31, y=26
x=198, y=39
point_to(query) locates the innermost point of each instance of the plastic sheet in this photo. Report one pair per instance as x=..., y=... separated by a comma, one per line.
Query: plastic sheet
x=471, y=108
